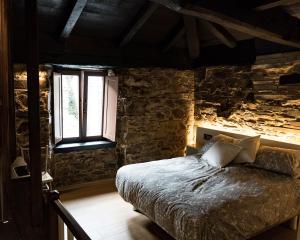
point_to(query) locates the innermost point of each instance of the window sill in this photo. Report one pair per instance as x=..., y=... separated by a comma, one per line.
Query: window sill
x=72, y=147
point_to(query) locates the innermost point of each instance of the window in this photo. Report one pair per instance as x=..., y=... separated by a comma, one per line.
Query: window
x=85, y=106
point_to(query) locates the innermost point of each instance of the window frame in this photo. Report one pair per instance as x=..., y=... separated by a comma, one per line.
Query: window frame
x=74, y=139
x=84, y=105
x=83, y=88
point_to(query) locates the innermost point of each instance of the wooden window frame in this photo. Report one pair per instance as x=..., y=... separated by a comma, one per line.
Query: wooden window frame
x=83, y=88
x=74, y=139
x=84, y=105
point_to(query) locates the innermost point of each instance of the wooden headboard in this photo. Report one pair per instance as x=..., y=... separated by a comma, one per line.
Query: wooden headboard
x=203, y=135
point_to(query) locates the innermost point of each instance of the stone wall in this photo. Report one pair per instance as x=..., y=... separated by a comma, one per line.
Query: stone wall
x=20, y=80
x=155, y=117
x=243, y=98
x=156, y=114
x=84, y=166
x=157, y=109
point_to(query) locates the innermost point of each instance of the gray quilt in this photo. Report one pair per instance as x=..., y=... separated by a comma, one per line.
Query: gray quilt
x=191, y=200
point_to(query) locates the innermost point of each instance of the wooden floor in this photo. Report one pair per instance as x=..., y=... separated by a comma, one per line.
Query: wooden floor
x=104, y=215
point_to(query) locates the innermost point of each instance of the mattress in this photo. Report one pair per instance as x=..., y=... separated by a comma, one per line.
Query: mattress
x=189, y=199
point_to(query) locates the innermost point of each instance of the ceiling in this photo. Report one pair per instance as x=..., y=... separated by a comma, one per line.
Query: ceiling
x=139, y=32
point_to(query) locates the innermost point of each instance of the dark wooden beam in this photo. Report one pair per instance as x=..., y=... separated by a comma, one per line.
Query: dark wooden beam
x=176, y=33
x=138, y=22
x=34, y=112
x=192, y=37
x=220, y=33
x=268, y=4
x=249, y=26
x=89, y=51
x=73, y=18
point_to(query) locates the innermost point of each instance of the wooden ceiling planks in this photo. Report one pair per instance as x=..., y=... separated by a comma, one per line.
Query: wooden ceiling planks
x=248, y=26
x=128, y=23
x=174, y=36
x=192, y=36
x=139, y=21
x=221, y=33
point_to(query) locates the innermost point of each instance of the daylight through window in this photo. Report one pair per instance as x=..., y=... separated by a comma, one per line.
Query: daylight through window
x=84, y=106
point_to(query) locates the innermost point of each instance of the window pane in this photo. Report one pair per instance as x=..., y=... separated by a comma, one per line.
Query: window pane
x=70, y=88
x=94, y=106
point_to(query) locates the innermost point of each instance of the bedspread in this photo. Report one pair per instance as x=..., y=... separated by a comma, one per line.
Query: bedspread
x=191, y=200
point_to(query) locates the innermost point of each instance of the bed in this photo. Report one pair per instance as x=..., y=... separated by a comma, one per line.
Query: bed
x=190, y=199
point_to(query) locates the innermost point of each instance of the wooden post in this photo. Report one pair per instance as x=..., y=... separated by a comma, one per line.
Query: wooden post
x=298, y=229
x=70, y=235
x=5, y=107
x=61, y=229
x=34, y=112
x=52, y=223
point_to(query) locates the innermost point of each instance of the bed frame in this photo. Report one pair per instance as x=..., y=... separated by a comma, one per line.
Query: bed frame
x=203, y=135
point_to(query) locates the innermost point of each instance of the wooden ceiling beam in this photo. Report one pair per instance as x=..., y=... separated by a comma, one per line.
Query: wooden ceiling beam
x=268, y=4
x=192, y=37
x=176, y=33
x=221, y=33
x=138, y=23
x=73, y=18
x=242, y=25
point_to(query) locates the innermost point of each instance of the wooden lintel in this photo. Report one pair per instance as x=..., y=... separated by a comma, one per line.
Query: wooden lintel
x=220, y=33
x=174, y=36
x=138, y=23
x=268, y=4
x=242, y=25
x=192, y=37
x=73, y=18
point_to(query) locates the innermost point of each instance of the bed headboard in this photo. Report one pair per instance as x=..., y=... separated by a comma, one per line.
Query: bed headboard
x=204, y=134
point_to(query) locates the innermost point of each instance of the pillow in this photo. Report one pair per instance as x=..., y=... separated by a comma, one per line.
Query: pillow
x=224, y=138
x=250, y=147
x=206, y=147
x=280, y=160
x=221, y=154
x=210, y=143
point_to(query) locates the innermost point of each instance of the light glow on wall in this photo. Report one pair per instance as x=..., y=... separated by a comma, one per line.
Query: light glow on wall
x=285, y=135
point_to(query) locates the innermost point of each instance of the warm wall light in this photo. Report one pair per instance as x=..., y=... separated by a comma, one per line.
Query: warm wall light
x=22, y=76
x=284, y=135
x=191, y=136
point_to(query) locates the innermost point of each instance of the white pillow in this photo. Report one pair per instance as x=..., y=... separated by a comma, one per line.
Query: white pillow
x=221, y=154
x=224, y=138
x=250, y=147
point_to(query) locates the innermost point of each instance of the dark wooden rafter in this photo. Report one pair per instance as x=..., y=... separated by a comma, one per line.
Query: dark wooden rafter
x=34, y=111
x=192, y=37
x=73, y=18
x=176, y=33
x=141, y=18
x=268, y=4
x=243, y=25
x=221, y=33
